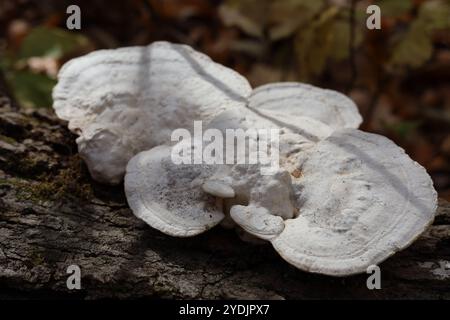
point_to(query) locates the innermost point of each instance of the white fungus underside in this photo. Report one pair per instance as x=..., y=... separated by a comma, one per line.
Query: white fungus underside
x=363, y=199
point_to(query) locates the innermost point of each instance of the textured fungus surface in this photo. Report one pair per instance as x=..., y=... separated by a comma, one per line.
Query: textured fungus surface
x=339, y=201
x=168, y=196
x=293, y=99
x=128, y=100
x=362, y=199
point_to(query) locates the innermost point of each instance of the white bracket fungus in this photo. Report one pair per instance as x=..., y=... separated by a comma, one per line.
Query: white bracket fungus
x=128, y=100
x=362, y=199
x=169, y=196
x=293, y=99
x=341, y=199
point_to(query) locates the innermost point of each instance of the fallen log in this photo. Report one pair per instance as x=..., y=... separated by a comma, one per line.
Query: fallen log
x=53, y=215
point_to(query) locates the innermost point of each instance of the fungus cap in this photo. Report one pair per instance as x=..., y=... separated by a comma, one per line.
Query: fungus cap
x=362, y=199
x=294, y=99
x=135, y=97
x=169, y=196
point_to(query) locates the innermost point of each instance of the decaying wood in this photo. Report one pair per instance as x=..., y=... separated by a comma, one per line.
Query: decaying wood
x=53, y=215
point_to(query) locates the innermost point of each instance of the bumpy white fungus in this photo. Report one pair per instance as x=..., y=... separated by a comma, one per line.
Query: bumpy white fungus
x=362, y=199
x=340, y=200
x=356, y=200
x=257, y=221
x=296, y=134
x=169, y=196
x=128, y=100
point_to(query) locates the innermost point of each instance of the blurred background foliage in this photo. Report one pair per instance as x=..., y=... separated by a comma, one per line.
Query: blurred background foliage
x=399, y=76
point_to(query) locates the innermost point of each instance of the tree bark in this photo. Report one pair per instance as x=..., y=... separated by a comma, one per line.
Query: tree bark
x=52, y=215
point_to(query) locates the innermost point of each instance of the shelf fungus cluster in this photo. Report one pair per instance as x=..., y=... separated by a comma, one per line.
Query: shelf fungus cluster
x=340, y=200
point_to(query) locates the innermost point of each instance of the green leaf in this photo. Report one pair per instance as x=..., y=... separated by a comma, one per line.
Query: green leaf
x=414, y=49
x=435, y=14
x=31, y=90
x=313, y=44
x=341, y=39
x=51, y=42
x=248, y=15
x=288, y=15
x=416, y=46
x=280, y=18
x=393, y=8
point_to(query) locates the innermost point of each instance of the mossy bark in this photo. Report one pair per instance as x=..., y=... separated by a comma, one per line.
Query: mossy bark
x=53, y=215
